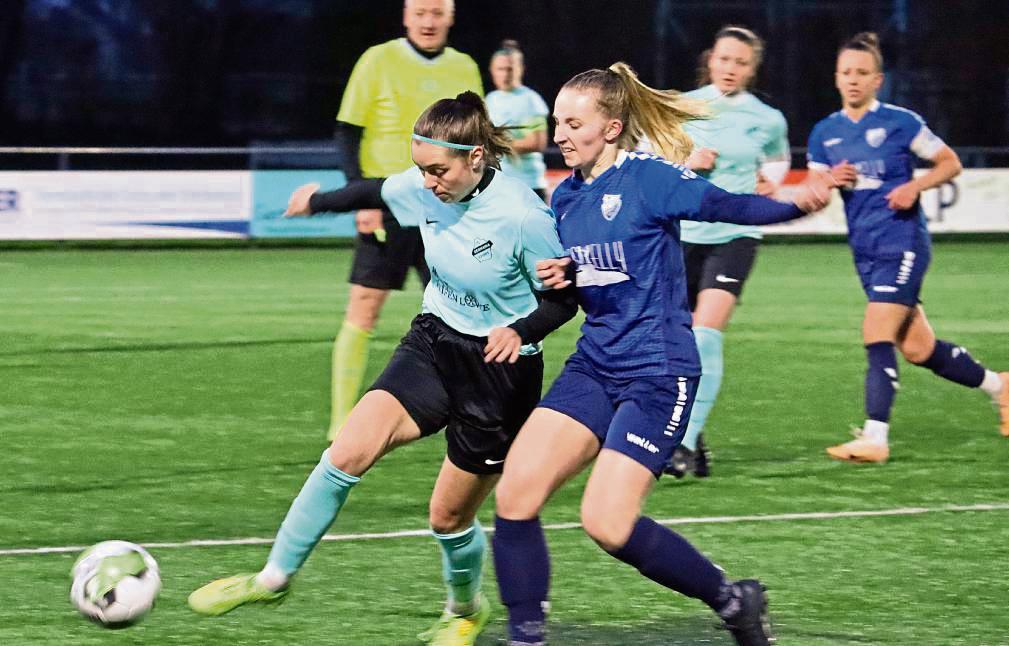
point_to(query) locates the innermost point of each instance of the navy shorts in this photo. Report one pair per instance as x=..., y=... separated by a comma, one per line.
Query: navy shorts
x=440, y=378
x=894, y=277
x=384, y=265
x=642, y=417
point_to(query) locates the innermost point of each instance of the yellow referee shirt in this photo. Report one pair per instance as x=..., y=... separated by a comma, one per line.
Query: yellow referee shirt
x=390, y=87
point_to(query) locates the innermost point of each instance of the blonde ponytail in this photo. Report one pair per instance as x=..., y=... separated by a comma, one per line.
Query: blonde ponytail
x=658, y=115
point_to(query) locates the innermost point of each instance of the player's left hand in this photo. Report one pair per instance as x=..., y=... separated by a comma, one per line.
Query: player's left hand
x=552, y=272
x=903, y=197
x=813, y=195
x=298, y=203
x=503, y=344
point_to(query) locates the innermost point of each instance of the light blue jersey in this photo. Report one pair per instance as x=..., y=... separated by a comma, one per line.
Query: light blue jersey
x=482, y=253
x=882, y=145
x=746, y=133
x=522, y=111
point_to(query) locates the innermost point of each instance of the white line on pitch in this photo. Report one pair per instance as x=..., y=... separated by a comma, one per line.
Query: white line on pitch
x=701, y=520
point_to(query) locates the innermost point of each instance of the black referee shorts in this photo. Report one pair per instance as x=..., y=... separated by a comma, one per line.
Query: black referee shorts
x=724, y=266
x=440, y=377
x=384, y=265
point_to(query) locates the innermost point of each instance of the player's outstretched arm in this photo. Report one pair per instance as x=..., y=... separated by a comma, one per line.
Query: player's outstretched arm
x=721, y=206
x=357, y=194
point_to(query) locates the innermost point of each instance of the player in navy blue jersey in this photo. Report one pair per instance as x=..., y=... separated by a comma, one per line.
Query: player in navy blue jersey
x=868, y=150
x=624, y=396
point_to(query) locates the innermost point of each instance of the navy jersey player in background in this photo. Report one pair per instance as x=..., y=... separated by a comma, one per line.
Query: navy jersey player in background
x=868, y=149
x=625, y=394
x=471, y=362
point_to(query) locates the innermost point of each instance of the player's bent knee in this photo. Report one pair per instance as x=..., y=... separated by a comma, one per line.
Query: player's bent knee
x=518, y=501
x=609, y=532
x=916, y=353
x=446, y=520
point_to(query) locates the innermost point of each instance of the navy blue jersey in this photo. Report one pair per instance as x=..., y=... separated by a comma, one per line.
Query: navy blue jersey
x=882, y=145
x=622, y=232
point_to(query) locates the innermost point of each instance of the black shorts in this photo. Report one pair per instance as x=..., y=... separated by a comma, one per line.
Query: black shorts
x=440, y=378
x=384, y=265
x=724, y=266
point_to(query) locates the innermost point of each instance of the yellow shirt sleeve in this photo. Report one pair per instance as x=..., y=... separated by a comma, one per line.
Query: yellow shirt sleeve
x=356, y=106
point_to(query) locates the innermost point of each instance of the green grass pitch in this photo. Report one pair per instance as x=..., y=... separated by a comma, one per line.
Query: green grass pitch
x=165, y=396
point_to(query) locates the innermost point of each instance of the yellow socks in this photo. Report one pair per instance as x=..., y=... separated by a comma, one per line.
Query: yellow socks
x=350, y=359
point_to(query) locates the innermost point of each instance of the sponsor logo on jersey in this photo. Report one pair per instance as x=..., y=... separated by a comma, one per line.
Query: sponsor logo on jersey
x=637, y=440
x=482, y=249
x=450, y=293
x=875, y=137
x=611, y=206
x=599, y=264
x=832, y=142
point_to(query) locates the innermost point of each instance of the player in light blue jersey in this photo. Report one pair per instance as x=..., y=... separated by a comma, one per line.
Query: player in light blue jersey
x=471, y=362
x=868, y=149
x=524, y=113
x=625, y=395
x=744, y=139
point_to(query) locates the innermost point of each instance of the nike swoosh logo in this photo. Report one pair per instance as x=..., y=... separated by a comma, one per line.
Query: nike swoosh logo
x=722, y=278
x=430, y=221
x=491, y=463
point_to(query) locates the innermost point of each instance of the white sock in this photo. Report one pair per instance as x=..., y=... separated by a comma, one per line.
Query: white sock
x=273, y=577
x=992, y=384
x=875, y=431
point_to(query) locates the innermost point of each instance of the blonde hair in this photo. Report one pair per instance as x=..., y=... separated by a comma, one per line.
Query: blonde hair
x=658, y=115
x=465, y=120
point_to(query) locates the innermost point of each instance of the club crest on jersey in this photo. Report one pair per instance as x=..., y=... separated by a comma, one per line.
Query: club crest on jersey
x=482, y=249
x=875, y=137
x=611, y=206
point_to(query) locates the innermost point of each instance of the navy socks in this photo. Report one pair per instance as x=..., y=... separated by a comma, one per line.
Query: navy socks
x=881, y=380
x=523, y=574
x=954, y=363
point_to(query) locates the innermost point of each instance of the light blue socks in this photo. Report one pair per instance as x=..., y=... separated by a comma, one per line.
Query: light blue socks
x=310, y=515
x=462, y=557
x=709, y=345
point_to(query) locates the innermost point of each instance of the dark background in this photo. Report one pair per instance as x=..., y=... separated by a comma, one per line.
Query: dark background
x=228, y=72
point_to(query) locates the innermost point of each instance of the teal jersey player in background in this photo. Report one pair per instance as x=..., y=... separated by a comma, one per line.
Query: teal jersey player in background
x=743, y=140
x=470, y=363
x=524, y=113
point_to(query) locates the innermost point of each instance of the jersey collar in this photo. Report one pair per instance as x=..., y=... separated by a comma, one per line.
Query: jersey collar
x=421, y=56
x=481, y=186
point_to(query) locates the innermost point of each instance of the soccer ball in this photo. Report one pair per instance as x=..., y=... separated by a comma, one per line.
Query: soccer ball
x=114, y=583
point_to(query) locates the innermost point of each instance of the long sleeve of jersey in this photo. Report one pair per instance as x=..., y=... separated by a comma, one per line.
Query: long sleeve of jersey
x=718, y=205
x=677, y=193
x=357, y=194
x=556, y=307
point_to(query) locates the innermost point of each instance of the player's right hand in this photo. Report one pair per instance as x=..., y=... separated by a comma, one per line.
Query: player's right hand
x=702, y=159
x=298, y=204
x=368, y=221
x=844, y=174
x=552, y=272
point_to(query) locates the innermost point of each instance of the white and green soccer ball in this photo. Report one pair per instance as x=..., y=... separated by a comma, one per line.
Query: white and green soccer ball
x=115, y=583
